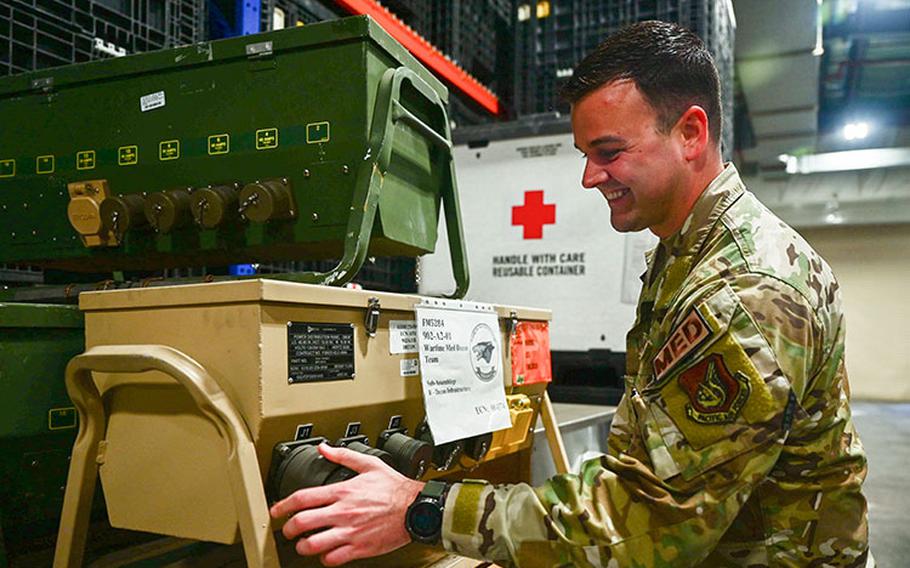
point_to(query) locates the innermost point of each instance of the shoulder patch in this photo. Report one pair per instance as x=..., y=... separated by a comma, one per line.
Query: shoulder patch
x=689, y=335
x=715, y=395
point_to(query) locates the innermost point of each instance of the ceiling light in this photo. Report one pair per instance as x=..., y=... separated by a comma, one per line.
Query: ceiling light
x=847, y=160
x=856, y=130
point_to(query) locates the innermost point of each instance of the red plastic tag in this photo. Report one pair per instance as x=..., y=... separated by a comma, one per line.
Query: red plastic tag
x=531, y=354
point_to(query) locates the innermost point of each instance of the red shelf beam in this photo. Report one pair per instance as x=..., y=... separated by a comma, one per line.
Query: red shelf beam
x=425, y=52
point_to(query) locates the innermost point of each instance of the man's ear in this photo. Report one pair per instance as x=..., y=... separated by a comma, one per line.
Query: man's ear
x=692, y=129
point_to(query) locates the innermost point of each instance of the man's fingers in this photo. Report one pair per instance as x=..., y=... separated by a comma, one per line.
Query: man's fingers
x=339, y=556
x=309, y=520
x=349, y=458
x=322, y=542
x=303, y=499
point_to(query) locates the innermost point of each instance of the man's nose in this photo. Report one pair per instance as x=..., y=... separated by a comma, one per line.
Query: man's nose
x=593, y=175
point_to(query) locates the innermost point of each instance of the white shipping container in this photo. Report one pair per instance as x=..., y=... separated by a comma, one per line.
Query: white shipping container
x=535, y=237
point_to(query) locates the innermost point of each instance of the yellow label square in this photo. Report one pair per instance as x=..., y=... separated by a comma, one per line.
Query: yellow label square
x=317, y=132
x=169, y=150
x=219, y=144
x=85, y=160
x=45, y=164
x=127, y=155
x=7, y=168
x=266, y=138
x=61, y=418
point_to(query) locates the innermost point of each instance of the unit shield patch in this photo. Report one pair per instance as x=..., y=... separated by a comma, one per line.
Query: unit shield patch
x=715, y=395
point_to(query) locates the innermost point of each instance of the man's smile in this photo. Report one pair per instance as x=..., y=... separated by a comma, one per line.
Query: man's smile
x=614, y=194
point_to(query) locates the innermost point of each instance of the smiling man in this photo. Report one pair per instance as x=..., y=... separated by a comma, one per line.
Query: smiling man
x=733, y=444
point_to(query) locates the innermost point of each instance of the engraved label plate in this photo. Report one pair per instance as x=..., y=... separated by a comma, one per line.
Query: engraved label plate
x=320, y=352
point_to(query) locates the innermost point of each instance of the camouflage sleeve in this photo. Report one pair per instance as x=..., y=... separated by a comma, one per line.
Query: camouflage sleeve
x=705, y=430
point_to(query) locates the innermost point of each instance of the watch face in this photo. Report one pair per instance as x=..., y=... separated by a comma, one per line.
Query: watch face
x=425, y=519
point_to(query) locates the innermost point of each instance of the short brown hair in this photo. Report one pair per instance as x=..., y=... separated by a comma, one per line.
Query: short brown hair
x=669, y=64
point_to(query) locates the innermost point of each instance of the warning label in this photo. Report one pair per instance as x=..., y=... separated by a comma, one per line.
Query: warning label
x=539, y=265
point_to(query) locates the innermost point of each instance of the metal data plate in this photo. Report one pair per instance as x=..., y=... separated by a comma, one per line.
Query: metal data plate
x=320, y=352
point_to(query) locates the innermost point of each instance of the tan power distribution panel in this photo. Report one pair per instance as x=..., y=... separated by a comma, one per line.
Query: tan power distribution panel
x=187, y=392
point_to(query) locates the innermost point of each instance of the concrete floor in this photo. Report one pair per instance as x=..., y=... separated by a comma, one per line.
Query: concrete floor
x=884, y=429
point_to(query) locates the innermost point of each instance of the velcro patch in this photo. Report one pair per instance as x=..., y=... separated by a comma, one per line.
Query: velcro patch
x=715, y=395
x=689, y=335
x=464, y=515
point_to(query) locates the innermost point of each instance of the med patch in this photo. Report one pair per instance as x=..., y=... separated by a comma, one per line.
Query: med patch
x=684, y=339
x=716, y=396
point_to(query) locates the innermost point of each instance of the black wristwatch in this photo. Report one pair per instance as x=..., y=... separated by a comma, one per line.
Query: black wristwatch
x=424, y=517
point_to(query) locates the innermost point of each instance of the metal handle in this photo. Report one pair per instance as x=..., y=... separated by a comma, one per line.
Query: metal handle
x=387, y=111
x=406, y=116
x=213, y=403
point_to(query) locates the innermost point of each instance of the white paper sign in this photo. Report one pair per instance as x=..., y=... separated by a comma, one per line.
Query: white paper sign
x=402, y=336
x=461, y=369
x=410, y=367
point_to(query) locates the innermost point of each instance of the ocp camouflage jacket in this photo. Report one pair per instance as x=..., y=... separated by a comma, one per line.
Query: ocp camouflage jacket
x=733, y=444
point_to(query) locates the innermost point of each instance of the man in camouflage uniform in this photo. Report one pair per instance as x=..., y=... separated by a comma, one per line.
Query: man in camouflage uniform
x=733, y=444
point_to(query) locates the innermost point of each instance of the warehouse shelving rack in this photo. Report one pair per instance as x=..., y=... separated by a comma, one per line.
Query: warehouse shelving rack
x=37, y=34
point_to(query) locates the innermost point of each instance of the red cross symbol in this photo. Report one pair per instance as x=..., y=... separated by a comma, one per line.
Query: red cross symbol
x=533, y=215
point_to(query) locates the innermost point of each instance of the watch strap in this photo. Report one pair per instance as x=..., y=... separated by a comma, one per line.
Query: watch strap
x=434, y=489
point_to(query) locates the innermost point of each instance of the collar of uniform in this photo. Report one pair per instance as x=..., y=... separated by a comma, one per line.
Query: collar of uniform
x=649, y=260
x=711, y=204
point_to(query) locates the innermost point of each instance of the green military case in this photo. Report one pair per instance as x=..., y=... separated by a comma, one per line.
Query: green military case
x=37, y=419
x=341, y=133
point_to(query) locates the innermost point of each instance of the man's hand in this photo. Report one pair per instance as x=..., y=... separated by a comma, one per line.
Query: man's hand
x=357, y=518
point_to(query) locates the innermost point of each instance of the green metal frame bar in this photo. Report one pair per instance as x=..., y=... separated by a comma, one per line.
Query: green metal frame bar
x=387, y=112
x=3, y=560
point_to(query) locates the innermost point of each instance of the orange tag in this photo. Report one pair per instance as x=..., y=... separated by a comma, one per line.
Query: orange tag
x=531, y=353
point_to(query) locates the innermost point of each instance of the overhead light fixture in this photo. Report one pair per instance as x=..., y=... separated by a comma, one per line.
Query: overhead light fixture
x=846, y=161
x=856, y=130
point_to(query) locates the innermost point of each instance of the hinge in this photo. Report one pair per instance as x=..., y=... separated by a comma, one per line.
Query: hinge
x=261, y=49
x=371, y=321
x=512, y=323
x=44, y=84
x=101, y=456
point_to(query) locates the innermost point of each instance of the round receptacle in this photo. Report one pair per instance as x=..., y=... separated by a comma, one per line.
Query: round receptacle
x=213, y=205
x=303, y=467
x=267, y=200
x=124, y=212
x=412, y=457
x=168, y=210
